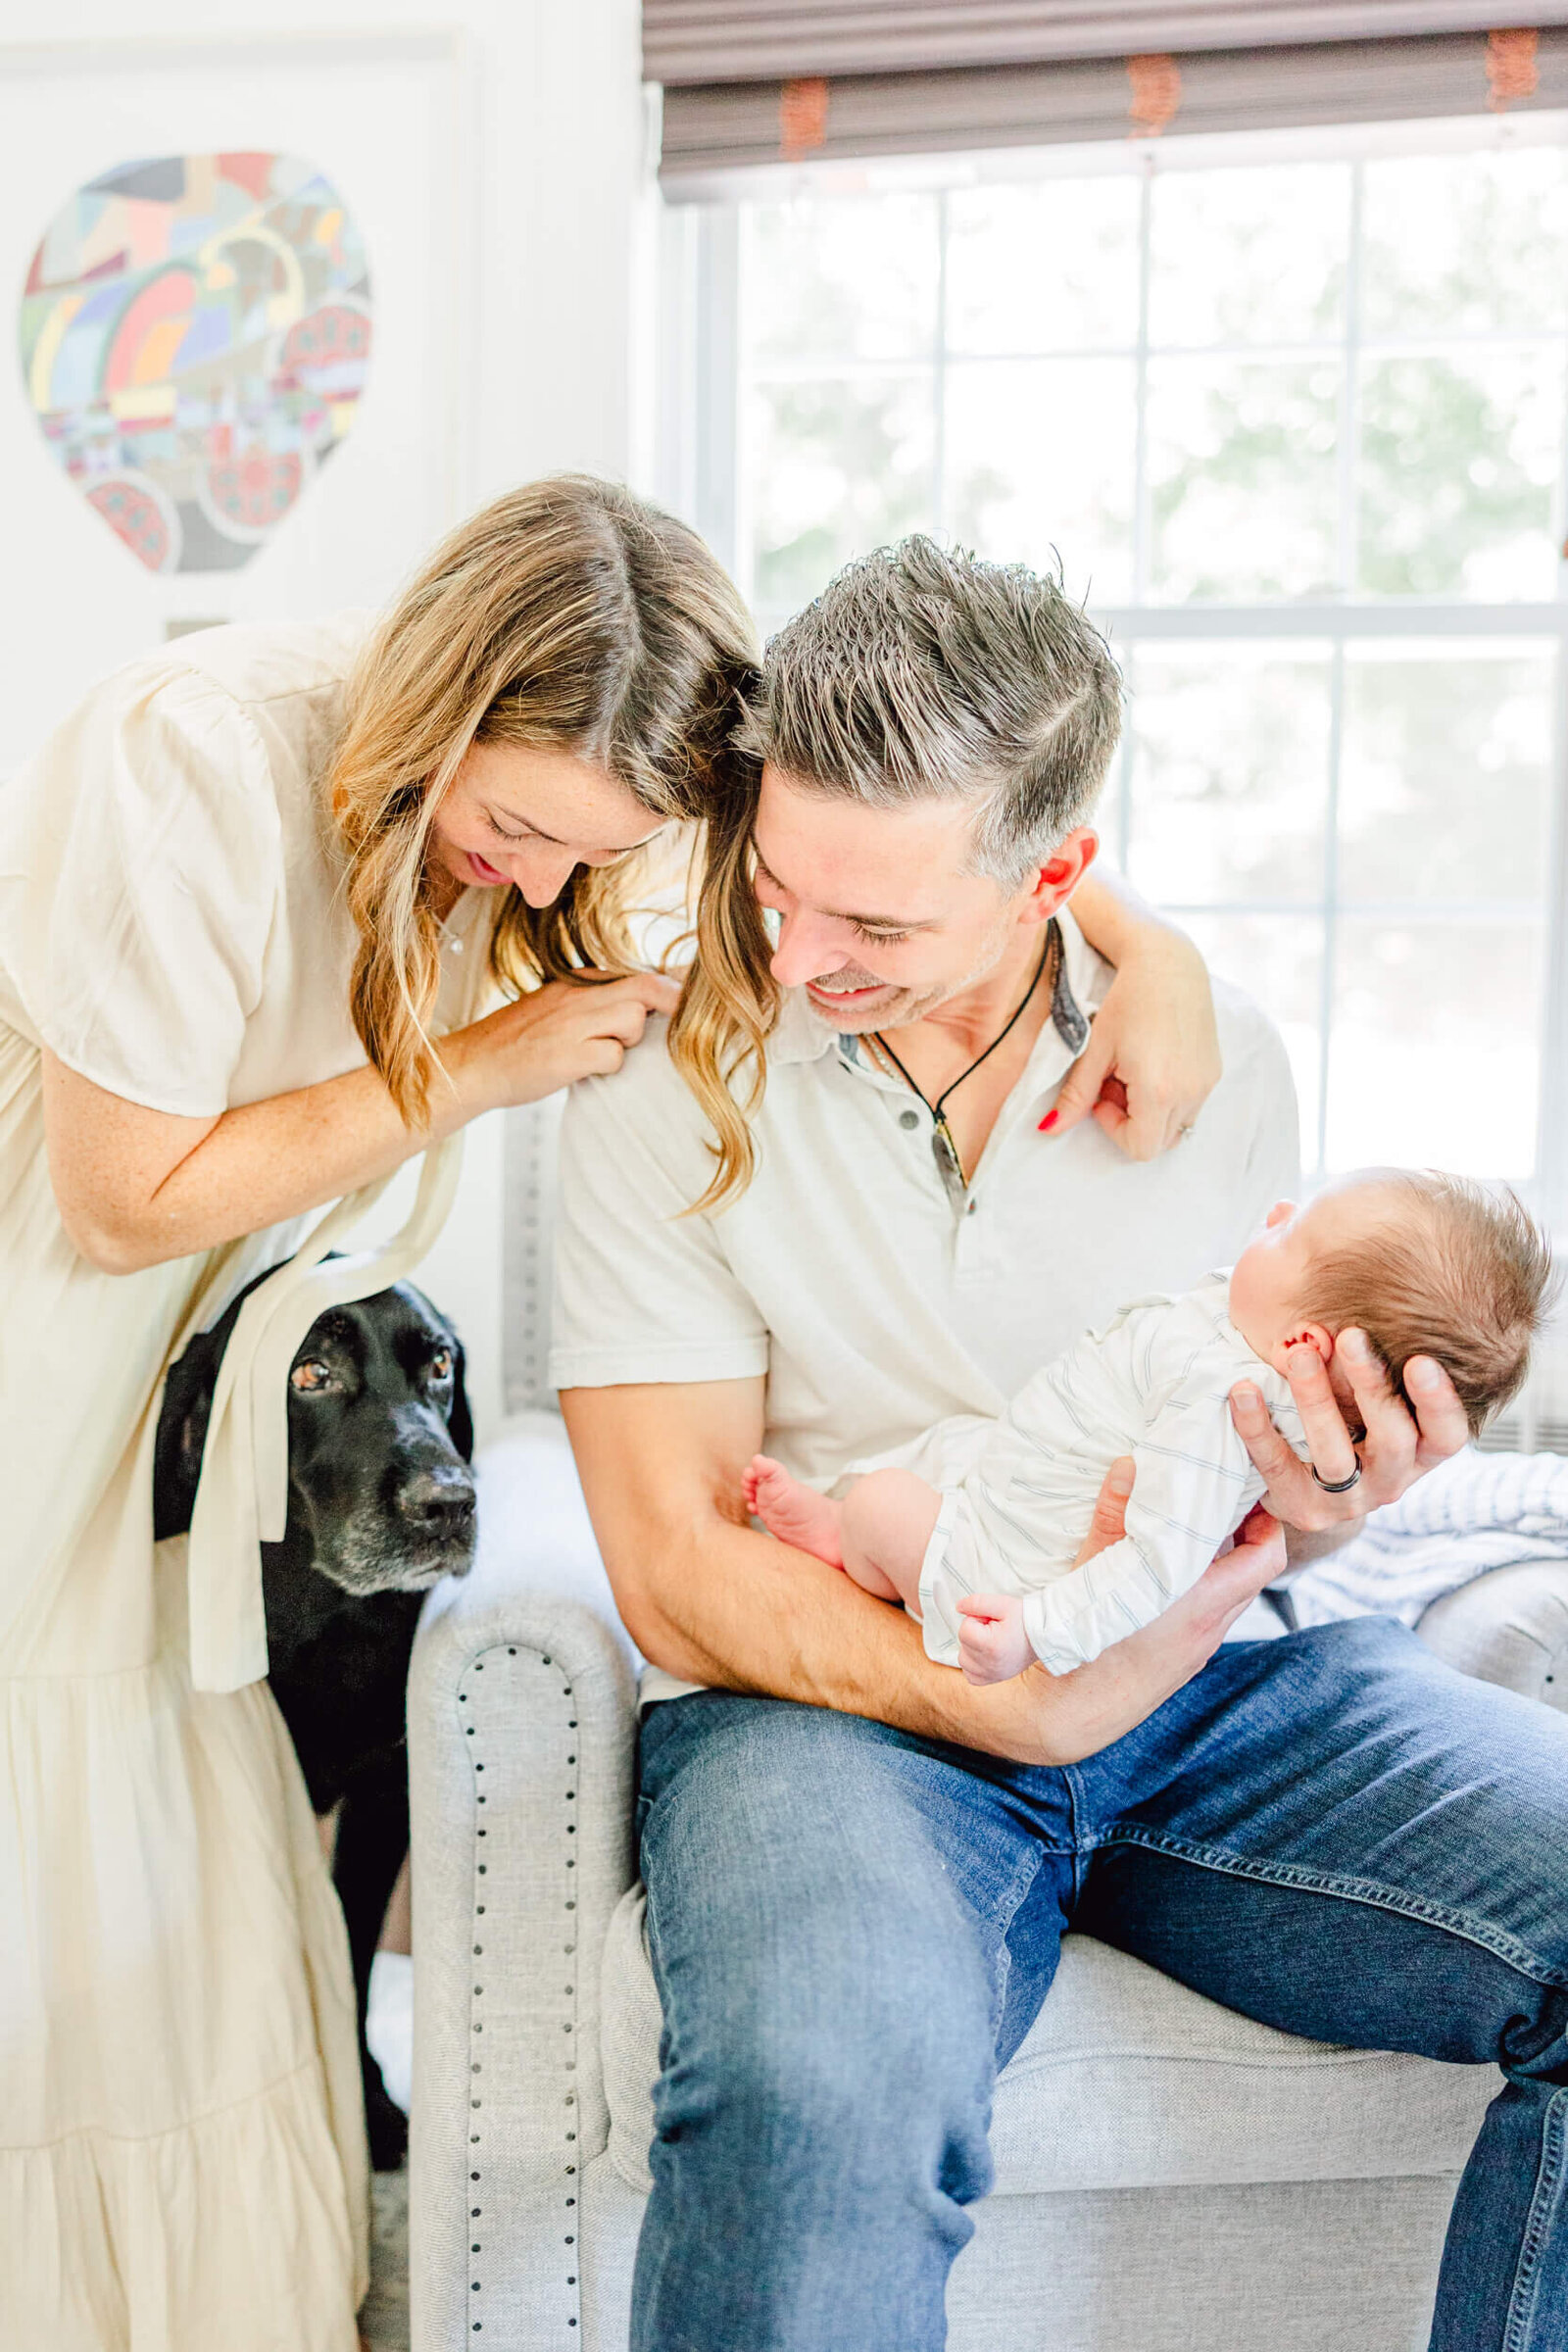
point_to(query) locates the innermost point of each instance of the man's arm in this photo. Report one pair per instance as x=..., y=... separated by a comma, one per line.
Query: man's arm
x=711, y=1600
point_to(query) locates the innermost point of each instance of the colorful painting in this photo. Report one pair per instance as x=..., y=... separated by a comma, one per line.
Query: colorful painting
x=195, y=338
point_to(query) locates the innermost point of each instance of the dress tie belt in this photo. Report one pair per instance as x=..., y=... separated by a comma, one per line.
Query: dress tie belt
x=242, y=1498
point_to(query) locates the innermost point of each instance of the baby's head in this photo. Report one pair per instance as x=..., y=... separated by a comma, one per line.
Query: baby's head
x=1424, y=1264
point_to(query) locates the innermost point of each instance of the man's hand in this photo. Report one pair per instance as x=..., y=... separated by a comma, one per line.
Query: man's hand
x=1201, y=1617
x=1399, y=1446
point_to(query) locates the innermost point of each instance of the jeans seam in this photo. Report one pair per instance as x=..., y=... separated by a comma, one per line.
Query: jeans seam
x=1370, y=1891
x=1080, y=1847
x=1023, y=1878
x=1523, y=2302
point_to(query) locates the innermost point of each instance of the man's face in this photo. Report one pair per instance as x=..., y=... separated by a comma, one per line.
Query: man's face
x=879, y=917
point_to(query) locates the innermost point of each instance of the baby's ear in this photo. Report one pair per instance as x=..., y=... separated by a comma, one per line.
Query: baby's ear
x=1304, y=1335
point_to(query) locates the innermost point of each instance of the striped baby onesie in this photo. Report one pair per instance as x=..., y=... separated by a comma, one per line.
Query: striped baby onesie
x=1155, y=1384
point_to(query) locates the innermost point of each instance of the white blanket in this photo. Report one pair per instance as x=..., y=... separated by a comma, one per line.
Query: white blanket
x=1477, y=1512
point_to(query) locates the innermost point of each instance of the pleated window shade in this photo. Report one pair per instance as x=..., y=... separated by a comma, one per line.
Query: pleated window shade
x=747, y=83
x=781, y=41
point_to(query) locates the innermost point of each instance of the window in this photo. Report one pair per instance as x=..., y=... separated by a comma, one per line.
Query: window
x=1294, y=416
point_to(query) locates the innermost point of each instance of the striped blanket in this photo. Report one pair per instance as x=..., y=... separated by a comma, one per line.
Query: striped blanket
x=1474, y=1513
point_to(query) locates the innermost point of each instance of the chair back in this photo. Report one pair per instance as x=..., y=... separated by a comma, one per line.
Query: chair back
x=527, y=1252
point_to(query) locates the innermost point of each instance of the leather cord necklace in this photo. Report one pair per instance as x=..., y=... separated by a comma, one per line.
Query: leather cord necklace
x=944, y=1149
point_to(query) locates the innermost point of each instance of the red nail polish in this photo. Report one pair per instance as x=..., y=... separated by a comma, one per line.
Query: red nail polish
x=1048, y=1122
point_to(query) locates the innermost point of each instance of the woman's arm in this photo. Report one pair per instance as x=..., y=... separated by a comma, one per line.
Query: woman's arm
x=138, y=1187
x=1153, y=1057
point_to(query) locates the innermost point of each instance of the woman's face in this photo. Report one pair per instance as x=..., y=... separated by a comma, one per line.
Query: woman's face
x=527, y=817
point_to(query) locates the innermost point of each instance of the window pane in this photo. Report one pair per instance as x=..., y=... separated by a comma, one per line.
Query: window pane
x=1278, y=961
x=1464, y=243
x=833, y=470
x=1444, y=773
x=1435, y=1056
x=856, y=278
x=1230, y=771
x=1249, y=256
x=1052, y=266
x=1457, y=466
x=1242, y=488
x=1039, y=458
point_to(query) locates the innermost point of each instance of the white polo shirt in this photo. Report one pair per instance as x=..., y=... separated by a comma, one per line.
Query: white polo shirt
x=874, y=1304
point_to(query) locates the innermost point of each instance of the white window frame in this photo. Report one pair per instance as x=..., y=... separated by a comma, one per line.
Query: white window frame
x=696, y=467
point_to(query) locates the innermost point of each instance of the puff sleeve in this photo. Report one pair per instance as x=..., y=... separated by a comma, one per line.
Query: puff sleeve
x=141, y=863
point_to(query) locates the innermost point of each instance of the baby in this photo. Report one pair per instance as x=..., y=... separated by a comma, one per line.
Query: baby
x=1423, y=1265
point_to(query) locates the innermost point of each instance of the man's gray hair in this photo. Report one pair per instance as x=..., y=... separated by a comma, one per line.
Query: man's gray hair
x=921, y=672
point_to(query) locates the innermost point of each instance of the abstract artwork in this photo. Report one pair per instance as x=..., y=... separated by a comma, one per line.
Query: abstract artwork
x=195, y=338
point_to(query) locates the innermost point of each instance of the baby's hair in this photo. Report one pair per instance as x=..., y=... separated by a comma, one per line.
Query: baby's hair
x=1466, y=1279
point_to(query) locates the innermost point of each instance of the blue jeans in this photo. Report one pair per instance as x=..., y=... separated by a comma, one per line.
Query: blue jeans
x=853, y=1928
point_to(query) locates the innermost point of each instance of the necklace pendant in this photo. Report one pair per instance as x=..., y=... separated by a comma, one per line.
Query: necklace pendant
x=945, y=1151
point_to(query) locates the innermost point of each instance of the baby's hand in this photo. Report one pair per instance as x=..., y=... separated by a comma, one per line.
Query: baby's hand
x=992, y=1646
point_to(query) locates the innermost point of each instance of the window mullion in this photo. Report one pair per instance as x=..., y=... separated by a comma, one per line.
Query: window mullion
x=1141, y=516
x=1347, y=536
x=1331, y=900
x=1551, y=1131
x=721, y=479
x=1350, y=391
x=939, y=380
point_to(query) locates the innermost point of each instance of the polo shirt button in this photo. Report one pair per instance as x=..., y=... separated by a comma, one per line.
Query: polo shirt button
x=909, y=1118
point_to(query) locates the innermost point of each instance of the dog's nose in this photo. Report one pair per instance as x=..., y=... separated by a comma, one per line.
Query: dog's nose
x=439, y=1500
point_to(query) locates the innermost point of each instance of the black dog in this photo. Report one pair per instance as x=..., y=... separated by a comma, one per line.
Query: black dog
x=381, y=1506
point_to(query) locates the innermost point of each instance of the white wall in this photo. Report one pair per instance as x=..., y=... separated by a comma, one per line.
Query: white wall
x=521, y=122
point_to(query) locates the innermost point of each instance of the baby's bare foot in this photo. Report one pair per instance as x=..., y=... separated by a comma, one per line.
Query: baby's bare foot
x=797, y=1515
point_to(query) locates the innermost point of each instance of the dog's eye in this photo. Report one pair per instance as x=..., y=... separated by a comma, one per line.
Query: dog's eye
x=440, y=1365
x=311, y=1376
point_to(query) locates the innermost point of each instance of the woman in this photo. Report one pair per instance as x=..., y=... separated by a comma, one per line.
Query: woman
x=240, y=893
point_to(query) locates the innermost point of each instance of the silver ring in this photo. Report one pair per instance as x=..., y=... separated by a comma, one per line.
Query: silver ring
x=1338, y=1485
x=1182, y=1133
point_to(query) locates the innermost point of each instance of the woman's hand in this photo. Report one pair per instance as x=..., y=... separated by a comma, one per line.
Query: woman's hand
x=1397, y=1448
x=1153, y=1057
x=555, y=1035
x=1059, y=1719
x=138, y=1187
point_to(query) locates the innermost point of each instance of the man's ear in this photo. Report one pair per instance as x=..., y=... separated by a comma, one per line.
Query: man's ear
x=1061, y=874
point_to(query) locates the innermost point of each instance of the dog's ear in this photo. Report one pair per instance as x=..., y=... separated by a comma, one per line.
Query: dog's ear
x=182, y=1418
x=182, y=1432
x=461, y=1422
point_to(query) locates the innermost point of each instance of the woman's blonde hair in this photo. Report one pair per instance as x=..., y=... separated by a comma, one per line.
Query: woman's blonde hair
x=568, y=616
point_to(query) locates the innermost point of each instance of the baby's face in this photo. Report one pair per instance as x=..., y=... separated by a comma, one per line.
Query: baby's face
x=1272, y=1276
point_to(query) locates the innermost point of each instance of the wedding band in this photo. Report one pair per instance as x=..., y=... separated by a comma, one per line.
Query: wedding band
x=1338, y=1485
x=1182, y=1133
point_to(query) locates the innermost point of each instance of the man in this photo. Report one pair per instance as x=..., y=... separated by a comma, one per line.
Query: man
x=858, y=1869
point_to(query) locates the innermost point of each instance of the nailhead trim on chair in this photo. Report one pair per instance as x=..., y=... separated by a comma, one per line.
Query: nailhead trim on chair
x=569, y=2023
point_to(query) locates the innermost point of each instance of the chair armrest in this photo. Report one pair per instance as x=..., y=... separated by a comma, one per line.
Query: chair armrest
x=522, y=1737
x=1508, y=1627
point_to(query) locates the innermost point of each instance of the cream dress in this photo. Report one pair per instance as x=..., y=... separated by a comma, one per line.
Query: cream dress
x=182, y=2166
